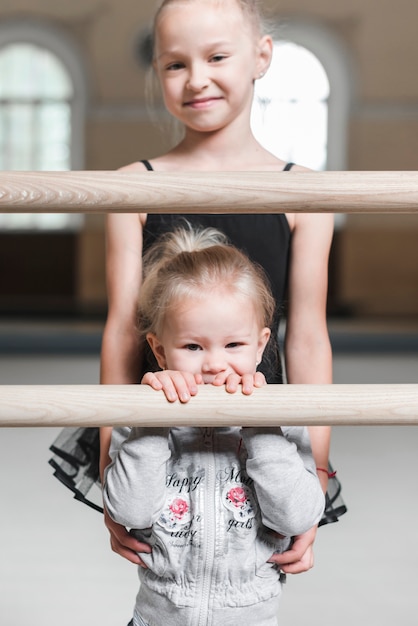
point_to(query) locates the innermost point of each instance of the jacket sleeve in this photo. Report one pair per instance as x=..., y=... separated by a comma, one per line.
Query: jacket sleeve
x=134, y=483
x=288, y=490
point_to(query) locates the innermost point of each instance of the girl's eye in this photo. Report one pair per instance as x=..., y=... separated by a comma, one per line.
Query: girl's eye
x=217, y=58
x=193, y=347
x=174, y=66
x=233, y=344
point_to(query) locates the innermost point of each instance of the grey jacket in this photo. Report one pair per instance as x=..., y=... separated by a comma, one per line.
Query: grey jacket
x=214, y=504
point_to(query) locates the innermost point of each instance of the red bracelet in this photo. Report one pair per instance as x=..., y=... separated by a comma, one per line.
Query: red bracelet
x=329, y=474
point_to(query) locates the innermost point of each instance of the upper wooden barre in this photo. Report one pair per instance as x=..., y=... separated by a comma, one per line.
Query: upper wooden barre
x=208, y=192
x=271, y=405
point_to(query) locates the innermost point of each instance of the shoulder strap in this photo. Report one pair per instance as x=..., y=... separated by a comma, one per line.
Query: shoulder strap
x=147, y=165
x=288, y=167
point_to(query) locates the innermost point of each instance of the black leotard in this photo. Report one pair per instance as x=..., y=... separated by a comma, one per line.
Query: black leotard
x=264, y=237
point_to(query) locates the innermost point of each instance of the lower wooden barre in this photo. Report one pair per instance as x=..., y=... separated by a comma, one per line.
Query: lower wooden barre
x=120, y=405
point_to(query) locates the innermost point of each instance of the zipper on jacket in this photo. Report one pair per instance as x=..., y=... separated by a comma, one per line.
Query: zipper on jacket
x=208, y=555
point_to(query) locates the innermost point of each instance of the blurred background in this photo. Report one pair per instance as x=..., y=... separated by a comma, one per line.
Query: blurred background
x=341, y=94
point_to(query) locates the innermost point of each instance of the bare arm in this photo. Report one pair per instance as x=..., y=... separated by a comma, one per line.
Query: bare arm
x=308, y=354
x=307, y=349
x=120, y=355
x=120, y=359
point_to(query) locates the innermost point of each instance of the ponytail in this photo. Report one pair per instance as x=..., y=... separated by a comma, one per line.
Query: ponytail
x=189, y=263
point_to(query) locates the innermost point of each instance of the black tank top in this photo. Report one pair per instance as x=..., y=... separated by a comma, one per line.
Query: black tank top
x=264, y=237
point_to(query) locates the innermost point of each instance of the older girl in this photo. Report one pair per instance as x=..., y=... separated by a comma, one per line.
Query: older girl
x=207, y=55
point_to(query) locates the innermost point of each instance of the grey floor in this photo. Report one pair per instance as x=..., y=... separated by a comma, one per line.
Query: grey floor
x=56, y=567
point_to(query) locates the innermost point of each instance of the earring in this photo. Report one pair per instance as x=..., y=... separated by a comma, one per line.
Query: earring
x=261, y=74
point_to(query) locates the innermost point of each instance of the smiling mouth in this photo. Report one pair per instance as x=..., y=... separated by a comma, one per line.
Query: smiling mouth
x=208, y=379
x=201, y=103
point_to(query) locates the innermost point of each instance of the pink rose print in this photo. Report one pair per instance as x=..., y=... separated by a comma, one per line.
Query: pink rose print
x=175, y=514
x=179, y=508
x=237, y=496
x=240, y=501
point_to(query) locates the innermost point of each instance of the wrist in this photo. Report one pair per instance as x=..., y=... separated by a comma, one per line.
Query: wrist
x=327, y=472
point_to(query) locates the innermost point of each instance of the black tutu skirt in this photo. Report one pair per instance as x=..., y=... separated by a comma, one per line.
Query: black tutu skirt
x=76, y=464
x=334, y=504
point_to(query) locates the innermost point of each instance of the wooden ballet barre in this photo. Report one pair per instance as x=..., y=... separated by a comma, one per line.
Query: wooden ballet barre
x=272, y=405
x=208, y=192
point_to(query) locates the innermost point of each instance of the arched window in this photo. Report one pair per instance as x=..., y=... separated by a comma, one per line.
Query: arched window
x=35, y=109
x=301, y=106
x=42, y=98
x=290, y=111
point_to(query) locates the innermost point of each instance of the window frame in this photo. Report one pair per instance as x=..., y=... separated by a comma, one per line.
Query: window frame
x=283, y=104
x=335, y=59
x=56, y=41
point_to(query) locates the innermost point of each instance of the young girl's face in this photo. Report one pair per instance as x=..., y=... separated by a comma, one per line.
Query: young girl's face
x=218, y=333
x=207, y=56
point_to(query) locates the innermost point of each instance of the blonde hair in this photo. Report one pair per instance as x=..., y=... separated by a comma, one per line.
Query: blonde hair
x=170, y=127
x=189, y=263
x=251, y=9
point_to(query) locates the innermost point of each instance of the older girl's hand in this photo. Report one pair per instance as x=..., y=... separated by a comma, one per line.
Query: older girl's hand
x=300, y=557
x=176, y=385
x=123, y=543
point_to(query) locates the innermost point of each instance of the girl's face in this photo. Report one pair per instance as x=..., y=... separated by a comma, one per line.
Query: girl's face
x=218, y=333
x=207, y=56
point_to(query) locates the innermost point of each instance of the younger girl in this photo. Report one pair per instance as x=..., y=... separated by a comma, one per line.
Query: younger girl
x=213, y=503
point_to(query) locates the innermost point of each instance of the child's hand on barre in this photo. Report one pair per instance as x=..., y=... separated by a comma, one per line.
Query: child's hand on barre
x=232, y=382
x=183, y=385
x=176, y=385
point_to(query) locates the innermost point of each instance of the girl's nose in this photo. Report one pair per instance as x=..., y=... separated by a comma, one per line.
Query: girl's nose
x=197, y=79
x=213, y=364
